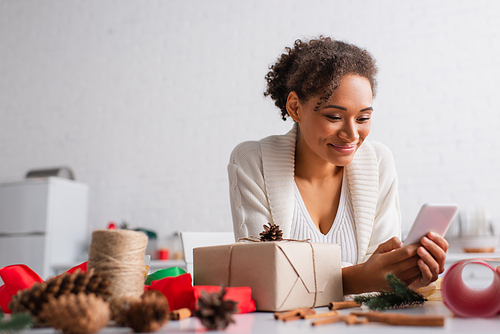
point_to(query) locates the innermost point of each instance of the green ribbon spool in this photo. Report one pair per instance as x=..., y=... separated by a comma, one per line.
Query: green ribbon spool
x=162, y=273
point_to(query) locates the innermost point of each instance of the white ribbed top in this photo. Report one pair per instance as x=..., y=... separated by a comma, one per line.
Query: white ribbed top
x=261, y=185
x=342, y=231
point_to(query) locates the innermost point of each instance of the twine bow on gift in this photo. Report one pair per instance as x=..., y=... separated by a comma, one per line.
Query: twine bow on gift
x=257, y=239
x=272, y=232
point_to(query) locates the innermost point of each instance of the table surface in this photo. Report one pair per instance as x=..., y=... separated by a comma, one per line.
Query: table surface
x=264, y=322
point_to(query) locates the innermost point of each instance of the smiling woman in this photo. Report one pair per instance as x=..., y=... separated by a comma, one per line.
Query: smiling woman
x=322, y=180
x=329, y=138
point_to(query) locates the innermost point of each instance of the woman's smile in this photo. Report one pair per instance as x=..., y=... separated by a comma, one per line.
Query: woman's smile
x=344, y=149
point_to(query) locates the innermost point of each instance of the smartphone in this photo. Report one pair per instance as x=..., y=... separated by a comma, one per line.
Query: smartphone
x=431, y=217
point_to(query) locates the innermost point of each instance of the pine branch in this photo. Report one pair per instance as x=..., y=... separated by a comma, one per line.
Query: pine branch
x=401, y=296
x=16, y=322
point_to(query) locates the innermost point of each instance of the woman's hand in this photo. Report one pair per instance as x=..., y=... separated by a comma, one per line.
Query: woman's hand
x=432, y=252
x=389, y=257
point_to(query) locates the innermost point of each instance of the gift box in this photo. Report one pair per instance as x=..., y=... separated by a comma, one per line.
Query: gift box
x=283, y=275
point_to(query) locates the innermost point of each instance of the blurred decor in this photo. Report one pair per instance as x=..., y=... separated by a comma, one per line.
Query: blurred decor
x=64, y=172
x=152, y=240
x=16, y=322
x=472, y=232
x=163, y=254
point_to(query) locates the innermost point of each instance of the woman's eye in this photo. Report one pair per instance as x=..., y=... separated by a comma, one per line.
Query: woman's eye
x=334, y=118
x=363, y=119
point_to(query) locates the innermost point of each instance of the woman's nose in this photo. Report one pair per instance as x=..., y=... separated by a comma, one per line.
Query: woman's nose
x=349, y=131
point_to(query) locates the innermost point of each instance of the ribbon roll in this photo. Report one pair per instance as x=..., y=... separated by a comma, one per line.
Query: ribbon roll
x=162, y=273
x=468, y=302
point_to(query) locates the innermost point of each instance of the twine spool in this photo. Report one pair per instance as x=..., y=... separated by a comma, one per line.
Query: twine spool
x=119, y=254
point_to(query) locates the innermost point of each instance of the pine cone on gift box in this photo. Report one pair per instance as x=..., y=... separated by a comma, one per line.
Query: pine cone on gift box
x=76, y=313
x=214, y=312
x=271, y=233
x=32, y=300
x=149, y=314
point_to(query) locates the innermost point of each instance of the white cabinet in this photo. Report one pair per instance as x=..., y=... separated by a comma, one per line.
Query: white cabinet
x=43, y=222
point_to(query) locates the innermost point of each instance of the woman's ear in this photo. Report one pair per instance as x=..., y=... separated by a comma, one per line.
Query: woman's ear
x=293, y=106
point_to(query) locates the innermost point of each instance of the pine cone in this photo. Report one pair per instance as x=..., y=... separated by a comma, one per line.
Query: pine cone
x=148, y=314
x=119, y=308
x=271, y=233
x=76, y=313
x=32, y=300
x=214, y=312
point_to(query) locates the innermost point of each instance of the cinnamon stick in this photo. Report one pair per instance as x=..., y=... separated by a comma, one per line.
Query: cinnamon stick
x=285, y=314
x=306, y=312
x=300, y=314
x=374, y=316
x=342, y=305
x=291, y=313
x=402, y=319
x=321, y=315
x=292, y=318
x=362, y=320
x=329, y=320
x=425, y=320
x=350, y=319
x=179, y=314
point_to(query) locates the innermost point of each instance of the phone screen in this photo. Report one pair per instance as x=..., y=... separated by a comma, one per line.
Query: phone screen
x=431, y=217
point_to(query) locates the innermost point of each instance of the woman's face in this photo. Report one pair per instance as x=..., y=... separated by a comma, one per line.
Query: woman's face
x=335, y=131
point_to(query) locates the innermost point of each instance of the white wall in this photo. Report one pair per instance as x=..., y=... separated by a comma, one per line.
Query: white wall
x=146, y=99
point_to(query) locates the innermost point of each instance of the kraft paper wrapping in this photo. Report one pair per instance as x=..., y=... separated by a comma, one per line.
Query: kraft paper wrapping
x=465, y=301
x=282, y=275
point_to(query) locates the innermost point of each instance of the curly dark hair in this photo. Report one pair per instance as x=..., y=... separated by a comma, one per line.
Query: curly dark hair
x=317, y=67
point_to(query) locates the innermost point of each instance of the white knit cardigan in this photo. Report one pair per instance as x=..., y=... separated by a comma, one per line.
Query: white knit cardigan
x=261, y=186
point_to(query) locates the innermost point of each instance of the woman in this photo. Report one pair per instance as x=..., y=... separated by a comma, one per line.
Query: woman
x=322, y=180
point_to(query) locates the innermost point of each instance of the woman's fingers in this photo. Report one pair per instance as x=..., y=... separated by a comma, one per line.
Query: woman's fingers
x=389, y=245
x=439, y=240
x=410, y=274
x=431, y=256
x=396, y=259
x=401, y=262
x=422, y=279
x=413, y=282
x=427, y=274
x=413, y=264
x=434, y=248
x=427, y=262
